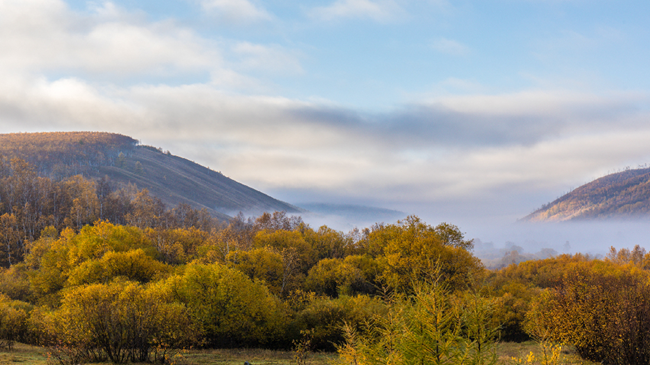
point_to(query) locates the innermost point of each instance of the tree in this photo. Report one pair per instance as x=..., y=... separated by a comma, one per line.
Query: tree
x=602, y=309
x=231, y=309
x=11, y=251
x=411, y=251
x=122, y=321
x=147, y=210
x=429, y=326
x=297, y=255
x=121, y=160
x=13, y=321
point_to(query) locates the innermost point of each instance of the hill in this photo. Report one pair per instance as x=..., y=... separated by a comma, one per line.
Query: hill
x=353, y=215
x=171, y=178
x=620, y=195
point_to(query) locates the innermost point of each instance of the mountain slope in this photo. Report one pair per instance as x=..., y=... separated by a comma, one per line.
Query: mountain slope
x=621, y=195
x=171, y=178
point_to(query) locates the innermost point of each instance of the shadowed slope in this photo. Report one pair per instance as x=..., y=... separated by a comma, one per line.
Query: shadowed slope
x=177, y=180
x=171, y=178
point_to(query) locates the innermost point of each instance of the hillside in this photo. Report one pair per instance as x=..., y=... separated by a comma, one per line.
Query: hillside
x=171, y=178
x=621, y=195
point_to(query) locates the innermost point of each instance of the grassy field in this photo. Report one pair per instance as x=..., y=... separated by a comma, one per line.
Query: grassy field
x=30, y=355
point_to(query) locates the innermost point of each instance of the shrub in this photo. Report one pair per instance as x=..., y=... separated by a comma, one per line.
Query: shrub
x=13, y=321
x=121, y=321
x=326, y=318
x=230, y=308
x=603, y=310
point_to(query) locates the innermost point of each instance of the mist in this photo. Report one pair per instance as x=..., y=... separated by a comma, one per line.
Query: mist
x=501, y=240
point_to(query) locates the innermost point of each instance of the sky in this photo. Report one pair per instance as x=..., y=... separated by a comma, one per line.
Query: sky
x=470, y=111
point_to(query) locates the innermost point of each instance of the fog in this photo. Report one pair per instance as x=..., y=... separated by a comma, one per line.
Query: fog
x=496, y=237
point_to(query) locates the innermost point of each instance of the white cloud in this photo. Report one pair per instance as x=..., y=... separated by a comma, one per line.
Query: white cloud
x=44, y=35
x=378, y=10
x=450, y=47
x=269, y=58
x=235, y=11
x=449, y=148
x=453, y=147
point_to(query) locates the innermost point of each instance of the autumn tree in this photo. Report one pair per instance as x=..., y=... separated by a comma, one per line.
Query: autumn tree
x=231, y=309
x=410, y=251
x=429, y=326
x=603, y=310
x=121, y=321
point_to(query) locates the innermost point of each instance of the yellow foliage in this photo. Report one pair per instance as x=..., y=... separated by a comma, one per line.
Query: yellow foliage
x=231, y=308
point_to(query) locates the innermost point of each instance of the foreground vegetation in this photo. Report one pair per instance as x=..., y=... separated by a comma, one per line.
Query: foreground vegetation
x=33, y=355
x=148, y=284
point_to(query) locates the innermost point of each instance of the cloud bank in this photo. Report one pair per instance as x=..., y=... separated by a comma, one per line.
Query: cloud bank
x=110, y=70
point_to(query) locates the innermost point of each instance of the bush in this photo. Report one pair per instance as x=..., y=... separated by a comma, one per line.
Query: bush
x=230, y=308
x=13, y=321
x=121, y=321
x=326, y=318
x=602, y=309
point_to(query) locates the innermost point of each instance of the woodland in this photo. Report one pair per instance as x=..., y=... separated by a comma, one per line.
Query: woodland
x=101, y=273
x=621, y=195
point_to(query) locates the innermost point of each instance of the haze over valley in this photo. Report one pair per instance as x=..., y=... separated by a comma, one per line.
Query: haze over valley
x=474, y=112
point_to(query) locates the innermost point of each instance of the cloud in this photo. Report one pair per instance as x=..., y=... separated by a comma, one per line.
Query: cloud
x=45, y=37
x=235, y=11
x=268, y=58
x=430, y=151
x=378, y=10
x=450, y=47
x=42, y=36
x=58, y=67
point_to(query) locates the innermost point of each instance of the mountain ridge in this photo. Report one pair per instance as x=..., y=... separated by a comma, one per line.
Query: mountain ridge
x=173, y=179
x=621, y=195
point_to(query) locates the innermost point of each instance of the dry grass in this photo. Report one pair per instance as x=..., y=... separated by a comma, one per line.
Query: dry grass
x=508, y=350
x=23, y=354
x=31, y=355
x=253, y=356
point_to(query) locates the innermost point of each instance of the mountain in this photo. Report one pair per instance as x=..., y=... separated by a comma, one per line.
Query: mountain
x=616, y=196
x=171, y=178
x=350, y=212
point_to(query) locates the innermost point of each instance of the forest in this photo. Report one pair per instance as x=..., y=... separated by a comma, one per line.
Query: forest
x=625, y=194
x=102, y=273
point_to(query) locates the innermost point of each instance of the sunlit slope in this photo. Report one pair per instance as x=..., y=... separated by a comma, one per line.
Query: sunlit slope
x=171, y=178
x=621, y=195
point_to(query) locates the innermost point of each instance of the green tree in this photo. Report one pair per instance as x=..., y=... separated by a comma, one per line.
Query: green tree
x=426, y=327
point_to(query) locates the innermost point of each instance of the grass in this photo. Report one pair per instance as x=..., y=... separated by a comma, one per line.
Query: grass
x=508, y=350
x=32, y=355
x=253, y=356
x=24, y=354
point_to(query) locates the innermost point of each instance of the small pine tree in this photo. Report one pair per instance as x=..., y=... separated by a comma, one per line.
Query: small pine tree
x=121, y=160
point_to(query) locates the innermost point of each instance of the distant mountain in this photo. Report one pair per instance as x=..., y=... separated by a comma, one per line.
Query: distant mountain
x=355, y=213
x=171, y=178
x=616, y=196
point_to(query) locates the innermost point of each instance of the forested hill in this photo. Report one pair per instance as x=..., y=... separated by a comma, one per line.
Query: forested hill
x=170, y=178
x=620, y=195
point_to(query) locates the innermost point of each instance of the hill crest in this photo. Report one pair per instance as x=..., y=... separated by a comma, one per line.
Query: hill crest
x=171, y=178
x=621, y=195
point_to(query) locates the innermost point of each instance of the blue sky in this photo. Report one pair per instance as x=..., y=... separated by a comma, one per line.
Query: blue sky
x=454, y=110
